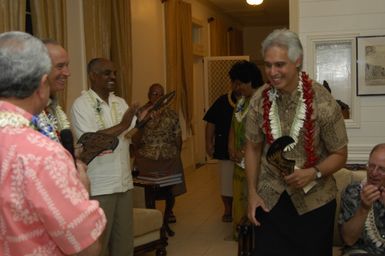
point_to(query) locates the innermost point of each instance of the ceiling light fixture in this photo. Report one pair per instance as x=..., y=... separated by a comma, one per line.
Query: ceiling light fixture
x=254, y=2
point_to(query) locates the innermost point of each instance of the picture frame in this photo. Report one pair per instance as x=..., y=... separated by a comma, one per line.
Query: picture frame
x=370, y=65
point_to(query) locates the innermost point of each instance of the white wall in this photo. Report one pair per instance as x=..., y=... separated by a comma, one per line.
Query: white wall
x=367, y=17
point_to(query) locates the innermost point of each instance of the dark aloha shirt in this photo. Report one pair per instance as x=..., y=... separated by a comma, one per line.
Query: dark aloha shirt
x=350, y=202
x=160, y=136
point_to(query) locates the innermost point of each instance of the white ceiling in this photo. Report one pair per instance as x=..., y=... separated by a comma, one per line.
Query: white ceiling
x=269, y=13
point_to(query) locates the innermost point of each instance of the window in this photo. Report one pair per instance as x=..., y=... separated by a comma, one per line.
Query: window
x=333, y=64
x=331, y=58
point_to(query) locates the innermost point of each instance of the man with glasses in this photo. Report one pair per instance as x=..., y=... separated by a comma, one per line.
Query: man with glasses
x=362, y=217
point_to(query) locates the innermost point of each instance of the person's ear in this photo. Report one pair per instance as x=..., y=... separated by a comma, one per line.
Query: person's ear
x=43, y=90
x=298, y=62
x=91, y=76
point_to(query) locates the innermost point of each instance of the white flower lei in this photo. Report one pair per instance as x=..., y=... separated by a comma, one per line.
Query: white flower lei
x=372, y=230
x=18, y=121
x=96, y=104
x=240, y=112
x=13, y=120
x=299, y=117
x=61, y=118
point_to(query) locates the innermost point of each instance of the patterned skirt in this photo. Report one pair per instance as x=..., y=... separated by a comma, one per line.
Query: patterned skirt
x=147, y=166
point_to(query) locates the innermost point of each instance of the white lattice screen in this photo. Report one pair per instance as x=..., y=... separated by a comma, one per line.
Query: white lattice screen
x=216, y=72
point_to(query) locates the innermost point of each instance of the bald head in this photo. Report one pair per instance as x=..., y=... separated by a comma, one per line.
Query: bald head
x=102, y=75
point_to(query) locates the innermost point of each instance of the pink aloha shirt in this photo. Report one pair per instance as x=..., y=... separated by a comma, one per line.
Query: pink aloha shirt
x=44, y=208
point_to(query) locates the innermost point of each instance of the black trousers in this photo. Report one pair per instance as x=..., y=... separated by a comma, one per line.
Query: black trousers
x=285, y=233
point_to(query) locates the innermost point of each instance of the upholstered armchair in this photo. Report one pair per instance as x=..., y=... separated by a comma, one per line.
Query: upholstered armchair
x=148, y=232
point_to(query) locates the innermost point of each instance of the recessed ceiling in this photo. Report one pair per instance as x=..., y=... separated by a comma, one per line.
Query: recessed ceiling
x=269, y=13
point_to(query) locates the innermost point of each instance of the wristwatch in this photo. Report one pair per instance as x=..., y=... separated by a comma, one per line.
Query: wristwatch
x=318, y=174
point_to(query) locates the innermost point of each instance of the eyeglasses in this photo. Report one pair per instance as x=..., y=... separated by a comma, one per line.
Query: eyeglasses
x=372, y=167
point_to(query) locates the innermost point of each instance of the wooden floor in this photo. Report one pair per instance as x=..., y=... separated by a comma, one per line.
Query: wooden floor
x=199, y=229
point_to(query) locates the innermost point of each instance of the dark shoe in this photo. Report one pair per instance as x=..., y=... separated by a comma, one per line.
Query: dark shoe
x=227, y=218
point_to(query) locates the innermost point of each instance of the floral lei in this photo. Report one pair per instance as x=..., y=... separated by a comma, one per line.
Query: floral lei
x=58, y=117
x=302, y=118
x=51, y=121
x=372, y=230
x=97, y=106
x=43, y=124
x=18, y=121
x=13, y=120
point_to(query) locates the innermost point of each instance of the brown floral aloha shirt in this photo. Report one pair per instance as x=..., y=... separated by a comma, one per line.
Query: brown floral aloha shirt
x=160, y=135
x=329, y=136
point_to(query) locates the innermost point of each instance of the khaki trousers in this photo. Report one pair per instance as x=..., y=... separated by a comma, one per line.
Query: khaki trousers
x=117, y=238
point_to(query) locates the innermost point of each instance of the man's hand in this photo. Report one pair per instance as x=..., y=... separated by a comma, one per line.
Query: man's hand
x=369, y=194
x=254, y=202
x=143, y=113
x=300, y=177
x=129, y=114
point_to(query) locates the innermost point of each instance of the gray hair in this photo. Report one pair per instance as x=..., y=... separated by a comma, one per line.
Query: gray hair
x=286, y=39
x=24, y=60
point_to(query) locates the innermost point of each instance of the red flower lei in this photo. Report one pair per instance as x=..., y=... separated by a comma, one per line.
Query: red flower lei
x=308, y=125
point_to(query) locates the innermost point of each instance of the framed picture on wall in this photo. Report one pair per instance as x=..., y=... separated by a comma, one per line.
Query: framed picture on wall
x=370, y=65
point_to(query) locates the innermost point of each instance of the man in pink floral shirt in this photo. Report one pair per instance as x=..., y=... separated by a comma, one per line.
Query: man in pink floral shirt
x=44, y=206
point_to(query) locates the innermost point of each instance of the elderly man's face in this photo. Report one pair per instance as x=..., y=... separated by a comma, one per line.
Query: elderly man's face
x=155, y=93
x=104, y=78
x=376, y=168
x=59, y=74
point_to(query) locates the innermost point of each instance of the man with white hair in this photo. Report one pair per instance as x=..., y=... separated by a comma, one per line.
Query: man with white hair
x=53, y=120
x=44, y=206
x=294, y=212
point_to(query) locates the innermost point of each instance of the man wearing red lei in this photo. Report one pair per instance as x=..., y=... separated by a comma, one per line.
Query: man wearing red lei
x=294, y=214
